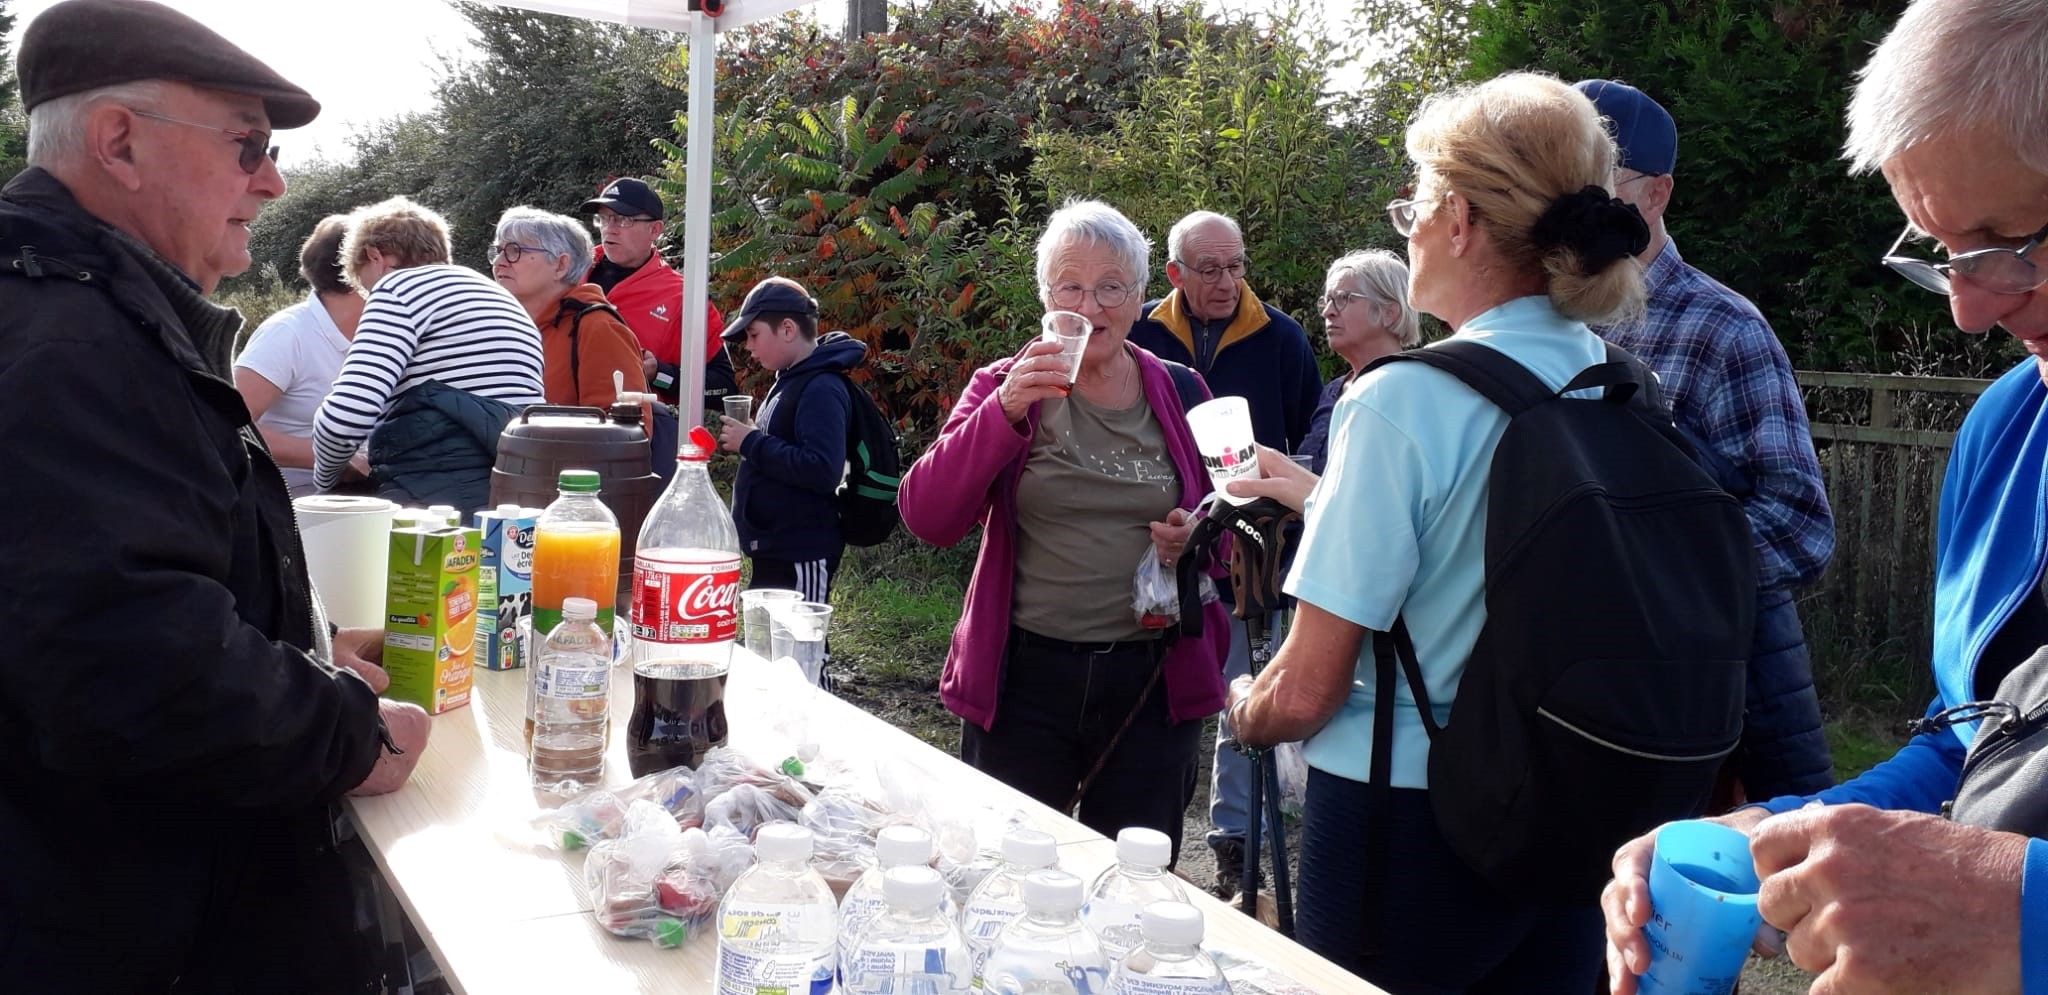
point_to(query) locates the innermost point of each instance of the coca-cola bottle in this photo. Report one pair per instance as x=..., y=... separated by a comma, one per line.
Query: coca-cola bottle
x=686, y=583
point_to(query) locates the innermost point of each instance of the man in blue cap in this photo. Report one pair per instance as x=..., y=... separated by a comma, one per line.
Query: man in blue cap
x=1731, y=391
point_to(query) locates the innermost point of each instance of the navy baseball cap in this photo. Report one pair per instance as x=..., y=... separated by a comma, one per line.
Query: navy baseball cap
x=1642, y=129
x=775, y=295
x=629, y=198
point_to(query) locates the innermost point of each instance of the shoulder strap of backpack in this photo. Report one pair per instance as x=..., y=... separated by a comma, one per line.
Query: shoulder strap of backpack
x=577, y=309
x=1497, y=378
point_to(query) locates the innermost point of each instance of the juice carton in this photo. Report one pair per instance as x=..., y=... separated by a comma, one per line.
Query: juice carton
x=430, y=615
x=505, y=583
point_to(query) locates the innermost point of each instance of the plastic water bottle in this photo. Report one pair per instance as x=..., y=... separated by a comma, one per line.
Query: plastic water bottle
x=1171, y=961
x=1047, y=950
x=914, y=947
x=1117, y=902
x=571, y=689
x=777, y=923
x=999, y=899
x=895, y=846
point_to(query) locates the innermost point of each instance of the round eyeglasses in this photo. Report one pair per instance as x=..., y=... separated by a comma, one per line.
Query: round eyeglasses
x=511, y=251
x=1998, y=271
x=1068, y=296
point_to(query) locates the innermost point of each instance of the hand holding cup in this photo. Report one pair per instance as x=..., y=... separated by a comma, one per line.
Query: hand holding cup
x=1039, y=373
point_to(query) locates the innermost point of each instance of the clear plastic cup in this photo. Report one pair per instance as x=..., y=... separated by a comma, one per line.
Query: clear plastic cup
x=799, y=633
x=754, y=606
x=1223, y=435
x=740, y=407
x=1071, y=331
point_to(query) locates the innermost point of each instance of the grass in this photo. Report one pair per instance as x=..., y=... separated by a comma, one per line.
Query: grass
x=894, y=607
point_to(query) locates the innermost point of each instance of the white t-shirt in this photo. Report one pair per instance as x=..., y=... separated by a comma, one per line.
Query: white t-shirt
x=299, y=350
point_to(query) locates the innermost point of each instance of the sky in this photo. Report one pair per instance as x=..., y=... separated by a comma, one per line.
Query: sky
x=370, y=60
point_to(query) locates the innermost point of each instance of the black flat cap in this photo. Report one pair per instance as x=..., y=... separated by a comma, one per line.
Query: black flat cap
x=81, y=45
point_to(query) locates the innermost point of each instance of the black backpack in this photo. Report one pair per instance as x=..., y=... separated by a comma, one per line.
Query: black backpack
x=1606, y=687
x=874, y=466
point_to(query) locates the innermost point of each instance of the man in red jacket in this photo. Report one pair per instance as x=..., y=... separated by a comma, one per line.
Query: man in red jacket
x=648, y=293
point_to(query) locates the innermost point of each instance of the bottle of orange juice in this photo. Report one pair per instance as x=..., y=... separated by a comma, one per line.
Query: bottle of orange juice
x=575, y=555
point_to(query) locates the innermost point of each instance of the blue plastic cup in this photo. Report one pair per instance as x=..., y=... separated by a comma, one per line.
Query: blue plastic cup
x=1703, y=913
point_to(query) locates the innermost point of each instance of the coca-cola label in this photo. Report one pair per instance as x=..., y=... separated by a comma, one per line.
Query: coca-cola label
x=694, y=603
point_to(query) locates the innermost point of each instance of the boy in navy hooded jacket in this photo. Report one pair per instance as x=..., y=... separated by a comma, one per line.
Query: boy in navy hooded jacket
x=793, y=456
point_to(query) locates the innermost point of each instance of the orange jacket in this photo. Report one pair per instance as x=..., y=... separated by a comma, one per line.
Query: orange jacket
x=603, y=344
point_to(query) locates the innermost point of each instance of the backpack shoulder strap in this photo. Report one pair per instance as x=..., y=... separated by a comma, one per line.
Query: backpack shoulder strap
x=1488, y=371
x=577, y=310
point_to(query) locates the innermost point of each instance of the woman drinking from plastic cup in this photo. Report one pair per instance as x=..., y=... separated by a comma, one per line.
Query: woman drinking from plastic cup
x=1063, y=694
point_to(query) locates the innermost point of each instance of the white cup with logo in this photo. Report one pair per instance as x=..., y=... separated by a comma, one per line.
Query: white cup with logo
x=1223, y=437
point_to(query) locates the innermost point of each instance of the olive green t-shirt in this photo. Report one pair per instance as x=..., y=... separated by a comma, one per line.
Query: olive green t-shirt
x=1095, y=481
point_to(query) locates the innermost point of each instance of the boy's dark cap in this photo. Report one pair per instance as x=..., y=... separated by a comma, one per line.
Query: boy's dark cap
x=628, y=198
x=771, y=296
x=81, y=45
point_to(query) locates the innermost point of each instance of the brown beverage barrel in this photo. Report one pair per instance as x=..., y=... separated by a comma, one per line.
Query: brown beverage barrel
x=546, y=439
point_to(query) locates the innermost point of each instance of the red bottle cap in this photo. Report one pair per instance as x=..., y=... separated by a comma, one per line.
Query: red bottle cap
x=700, y=446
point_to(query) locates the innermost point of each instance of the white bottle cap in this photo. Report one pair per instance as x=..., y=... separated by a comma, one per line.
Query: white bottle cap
x=1030, y=848
x=1052, y=891
x=783, y=841
x=1176, y=923
x=1144, y=847
x=903, y=846
x=586, y=609
x=913, y=887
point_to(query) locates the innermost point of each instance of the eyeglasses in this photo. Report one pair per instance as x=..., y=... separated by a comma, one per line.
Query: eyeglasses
x=1068, y=296
x=1213, y=273
x=1340, y=300
x=2000, y=271
x=255, y=144
x=1404, y=214
x=617, y=221
x=511, y=251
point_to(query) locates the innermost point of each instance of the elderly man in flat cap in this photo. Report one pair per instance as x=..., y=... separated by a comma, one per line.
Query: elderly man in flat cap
x=176, y=715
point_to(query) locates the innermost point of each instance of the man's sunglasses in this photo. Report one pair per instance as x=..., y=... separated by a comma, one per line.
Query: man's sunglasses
x=1999, y=271
x=255, y=145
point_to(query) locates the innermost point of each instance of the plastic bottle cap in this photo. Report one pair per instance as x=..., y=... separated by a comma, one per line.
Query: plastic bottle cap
x=782, y=841
x=1145, y=847
x=1052, y=891
x=903, y=846
x=583, y=609
x=1177, y=923
x=914, y=887
x=698, y=445
x=578, y=481
x=1030, y=848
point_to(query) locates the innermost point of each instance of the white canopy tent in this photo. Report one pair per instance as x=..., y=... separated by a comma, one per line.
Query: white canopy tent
x=701, y=32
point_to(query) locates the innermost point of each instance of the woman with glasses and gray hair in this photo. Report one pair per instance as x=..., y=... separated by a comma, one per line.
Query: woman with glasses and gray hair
x=542, y=259
x=1366, y=314
x=1075, y=474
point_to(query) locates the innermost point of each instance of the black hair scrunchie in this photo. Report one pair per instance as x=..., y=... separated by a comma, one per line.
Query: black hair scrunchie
x=1602, y=229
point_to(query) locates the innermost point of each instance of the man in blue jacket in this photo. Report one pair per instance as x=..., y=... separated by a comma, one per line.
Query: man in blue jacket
x=793, y=454
x=1242, y=347
x=1863, y=883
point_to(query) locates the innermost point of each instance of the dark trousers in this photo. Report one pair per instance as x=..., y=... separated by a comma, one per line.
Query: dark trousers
x=1444, y=930
x=1056, y=714
x=1783, y=750
x=812, y=578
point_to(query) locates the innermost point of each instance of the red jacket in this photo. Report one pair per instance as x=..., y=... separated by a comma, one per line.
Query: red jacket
x=651, y=301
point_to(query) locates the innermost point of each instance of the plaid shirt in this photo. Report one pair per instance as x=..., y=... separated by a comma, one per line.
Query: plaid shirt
x=1730, y=387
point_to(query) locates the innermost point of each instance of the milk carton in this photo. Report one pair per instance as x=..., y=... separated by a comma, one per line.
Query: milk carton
x=430, y=615
x=504, y=584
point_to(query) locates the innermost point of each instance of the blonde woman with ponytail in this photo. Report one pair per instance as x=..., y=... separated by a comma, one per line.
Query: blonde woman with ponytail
x=1515, y=241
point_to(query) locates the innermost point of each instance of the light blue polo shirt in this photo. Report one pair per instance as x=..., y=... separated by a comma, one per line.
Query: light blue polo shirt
x=1398, y=524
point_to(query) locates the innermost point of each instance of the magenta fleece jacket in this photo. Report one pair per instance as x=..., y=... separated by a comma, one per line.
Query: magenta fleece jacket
x=969, y=477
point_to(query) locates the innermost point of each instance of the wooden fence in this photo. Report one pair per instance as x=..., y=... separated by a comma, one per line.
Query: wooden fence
x=1883, y=442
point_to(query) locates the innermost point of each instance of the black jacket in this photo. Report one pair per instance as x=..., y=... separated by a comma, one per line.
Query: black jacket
x=168, y=748
x=437, y=445
x=783, y=498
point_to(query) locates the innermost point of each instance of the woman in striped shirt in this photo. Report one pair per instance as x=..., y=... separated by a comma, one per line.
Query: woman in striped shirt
x=443, y=357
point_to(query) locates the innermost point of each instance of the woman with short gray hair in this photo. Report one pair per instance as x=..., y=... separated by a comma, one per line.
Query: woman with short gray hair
x=1076, y=472
x=1366, y=312
x=542, y=258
